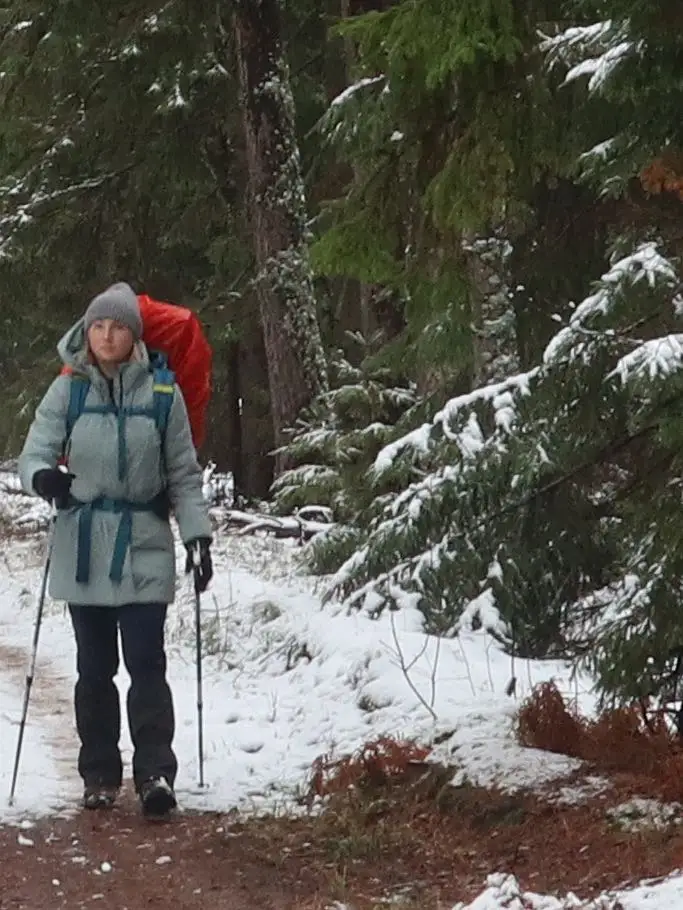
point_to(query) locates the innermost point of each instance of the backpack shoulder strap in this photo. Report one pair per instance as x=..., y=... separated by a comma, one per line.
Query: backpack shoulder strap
x=164, y=390
x=79, y=387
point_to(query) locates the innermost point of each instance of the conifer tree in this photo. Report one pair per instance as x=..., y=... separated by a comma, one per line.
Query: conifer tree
x=549, y=503
x=447, y=129
x=109, y=156
x=122, y=155
x=297, y=368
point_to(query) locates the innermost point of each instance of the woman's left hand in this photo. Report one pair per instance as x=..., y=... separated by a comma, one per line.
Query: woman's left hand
x=199, y=561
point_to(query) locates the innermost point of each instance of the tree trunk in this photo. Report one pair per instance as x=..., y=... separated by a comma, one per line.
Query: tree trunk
x=234, y=417
x=296, y=362
x=554, y=261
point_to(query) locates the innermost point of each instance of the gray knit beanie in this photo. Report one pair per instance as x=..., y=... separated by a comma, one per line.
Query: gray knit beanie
x=118, y=302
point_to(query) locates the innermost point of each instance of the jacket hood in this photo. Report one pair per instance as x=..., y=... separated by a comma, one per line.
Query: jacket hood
x=73, y=349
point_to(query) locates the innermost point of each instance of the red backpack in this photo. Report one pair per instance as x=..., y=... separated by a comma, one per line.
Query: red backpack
x=176, y=333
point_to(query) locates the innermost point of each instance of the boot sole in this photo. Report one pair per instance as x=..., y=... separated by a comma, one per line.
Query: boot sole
x=99, y=803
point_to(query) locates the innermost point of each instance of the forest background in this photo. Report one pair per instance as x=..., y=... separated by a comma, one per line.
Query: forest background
x=436, y=247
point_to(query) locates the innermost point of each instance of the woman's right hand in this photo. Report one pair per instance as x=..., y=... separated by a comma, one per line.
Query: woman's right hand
x=54, y=484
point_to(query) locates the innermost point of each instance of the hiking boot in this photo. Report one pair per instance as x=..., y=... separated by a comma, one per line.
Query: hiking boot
x=99, y=797
x=157, y=797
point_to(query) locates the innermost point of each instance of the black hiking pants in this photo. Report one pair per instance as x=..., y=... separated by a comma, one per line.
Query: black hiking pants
x=150, y=706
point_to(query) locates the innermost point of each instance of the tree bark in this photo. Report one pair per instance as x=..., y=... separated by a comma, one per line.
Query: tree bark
x=296, y=363
x=234, y=418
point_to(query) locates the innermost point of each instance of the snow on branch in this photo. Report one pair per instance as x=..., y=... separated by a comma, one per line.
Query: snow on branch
x=500, y=395
x=578, y=37
x=658, y=357
x=458, y=421
x=601, y=68
x=368, y=594
x=340, y=121
x=40, y=200
x=22, y=26
x=417, y=440
x=482, y=611
x=312, y=475
x=298, y=526
x=593, y=50
x=579, y=42
x=350, y=92
x=646, y=268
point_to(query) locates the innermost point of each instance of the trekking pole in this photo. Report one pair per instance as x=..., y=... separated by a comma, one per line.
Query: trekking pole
x=198, y=637
x=34, y=652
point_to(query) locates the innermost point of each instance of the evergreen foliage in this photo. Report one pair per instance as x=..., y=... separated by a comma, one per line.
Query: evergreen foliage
x=547, y=506
x=338, y=437
x=476, y=535
x=434, y=144
x=632, y=60
x=112, y=163
x=507, y=451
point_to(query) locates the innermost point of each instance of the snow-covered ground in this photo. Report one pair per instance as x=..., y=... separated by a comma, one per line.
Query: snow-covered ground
x=285, y=680
x=503, y=893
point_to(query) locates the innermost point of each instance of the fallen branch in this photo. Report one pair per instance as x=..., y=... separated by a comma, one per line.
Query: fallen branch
x=293, y=526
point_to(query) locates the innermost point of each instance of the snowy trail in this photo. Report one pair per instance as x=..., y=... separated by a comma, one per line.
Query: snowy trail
x=285, y=680
x=49, y=711
x=47, y=779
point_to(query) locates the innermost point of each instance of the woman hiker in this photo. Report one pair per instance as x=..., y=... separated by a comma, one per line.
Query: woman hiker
x=114, y=476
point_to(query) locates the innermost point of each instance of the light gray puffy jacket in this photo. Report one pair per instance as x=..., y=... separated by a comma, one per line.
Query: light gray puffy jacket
x=94, y=453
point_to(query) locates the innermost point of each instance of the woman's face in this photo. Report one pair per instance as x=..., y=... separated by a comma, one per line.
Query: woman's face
x=111, y=342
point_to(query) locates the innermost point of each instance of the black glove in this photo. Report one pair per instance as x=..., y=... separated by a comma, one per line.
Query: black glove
x=202, y=567
x=54, y=484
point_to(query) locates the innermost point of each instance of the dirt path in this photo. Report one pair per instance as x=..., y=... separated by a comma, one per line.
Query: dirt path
x=399, y=846
x=119, y=861
x=353, y=856
x=51, y=703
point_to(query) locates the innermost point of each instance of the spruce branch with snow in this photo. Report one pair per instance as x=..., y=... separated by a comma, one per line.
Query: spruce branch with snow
x=335, y=441
x=527, y=500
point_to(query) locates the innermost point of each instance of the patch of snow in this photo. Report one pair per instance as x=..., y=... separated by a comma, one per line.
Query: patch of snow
x=640, y=814
x=286, y=679
x=503, y=892
x=573, y=795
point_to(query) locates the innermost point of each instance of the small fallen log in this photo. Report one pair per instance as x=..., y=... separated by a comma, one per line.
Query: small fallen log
x=289, y=526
